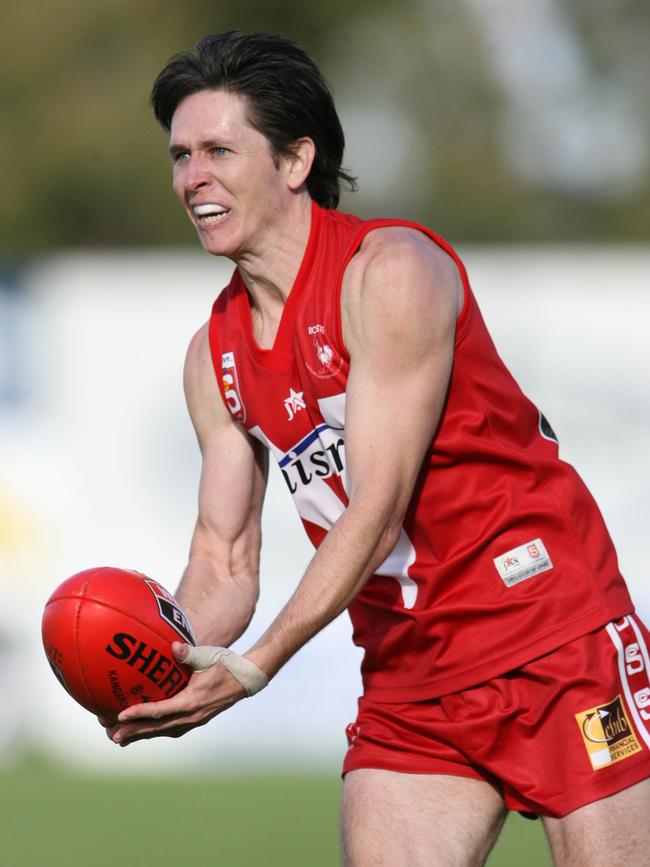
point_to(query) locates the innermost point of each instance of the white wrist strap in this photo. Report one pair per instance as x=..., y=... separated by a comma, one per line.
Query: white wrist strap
x=246, y=672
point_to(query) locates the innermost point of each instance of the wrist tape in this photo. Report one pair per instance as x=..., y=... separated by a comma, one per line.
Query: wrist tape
x=246, y=672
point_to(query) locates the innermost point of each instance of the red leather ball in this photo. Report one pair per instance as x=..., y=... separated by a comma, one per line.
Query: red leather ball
x=108, y=633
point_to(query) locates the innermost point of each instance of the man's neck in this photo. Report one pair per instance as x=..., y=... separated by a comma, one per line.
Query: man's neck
x=270, y=272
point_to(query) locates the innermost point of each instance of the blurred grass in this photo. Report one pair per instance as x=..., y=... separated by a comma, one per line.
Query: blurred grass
x=53, y=818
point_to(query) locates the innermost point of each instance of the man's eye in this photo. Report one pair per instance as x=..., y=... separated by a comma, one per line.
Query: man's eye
x=180, y=156
x=220, y=152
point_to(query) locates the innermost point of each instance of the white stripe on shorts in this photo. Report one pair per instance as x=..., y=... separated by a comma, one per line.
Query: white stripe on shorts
x=618, y=644
x=641, y=643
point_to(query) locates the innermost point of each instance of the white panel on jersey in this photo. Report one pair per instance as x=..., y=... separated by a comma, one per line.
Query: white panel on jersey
x=316, y=501
x=397, y=564
x=402, y=557
x=333, y=410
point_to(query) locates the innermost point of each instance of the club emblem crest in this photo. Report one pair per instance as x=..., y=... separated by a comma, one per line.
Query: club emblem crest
x=321, y=360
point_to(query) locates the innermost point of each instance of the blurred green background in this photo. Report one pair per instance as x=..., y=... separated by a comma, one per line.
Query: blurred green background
x=490, y=122
x=52, y=818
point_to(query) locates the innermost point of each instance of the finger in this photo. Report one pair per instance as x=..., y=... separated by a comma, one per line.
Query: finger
x=177, y=732
x=151, y=724
x=204, y=656
x=153, y=709
x=145, y=729
x=184, y=701
x=181, y=651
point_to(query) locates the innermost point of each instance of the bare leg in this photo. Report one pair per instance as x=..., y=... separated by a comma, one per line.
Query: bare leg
x=418, y=820
x=614, y=832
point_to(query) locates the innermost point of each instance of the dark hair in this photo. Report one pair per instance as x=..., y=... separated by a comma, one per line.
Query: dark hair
x=287, y=98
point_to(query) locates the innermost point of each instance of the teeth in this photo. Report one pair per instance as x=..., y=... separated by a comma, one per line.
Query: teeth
x=208, y=210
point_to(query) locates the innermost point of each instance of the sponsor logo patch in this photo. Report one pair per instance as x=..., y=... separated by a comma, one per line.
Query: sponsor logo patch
x=294, y=403
x=171, y=612
x=317, y=456
x=231, y=386
x=607, y=734
x=523, y=562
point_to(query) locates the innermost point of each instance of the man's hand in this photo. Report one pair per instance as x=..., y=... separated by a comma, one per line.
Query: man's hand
x=211, y=689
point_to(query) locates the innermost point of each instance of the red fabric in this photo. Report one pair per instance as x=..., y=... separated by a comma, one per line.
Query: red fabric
x=438, y=616
x=519, y=732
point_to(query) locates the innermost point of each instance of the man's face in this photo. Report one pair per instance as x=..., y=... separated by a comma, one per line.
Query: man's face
x=225, y=174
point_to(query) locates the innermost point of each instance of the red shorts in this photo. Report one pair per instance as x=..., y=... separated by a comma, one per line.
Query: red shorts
x=567, y=729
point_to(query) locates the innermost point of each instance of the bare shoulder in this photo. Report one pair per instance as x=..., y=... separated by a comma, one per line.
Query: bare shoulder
x=204, y=401
x=400, y=251
x=399, y=274
x=197, y=358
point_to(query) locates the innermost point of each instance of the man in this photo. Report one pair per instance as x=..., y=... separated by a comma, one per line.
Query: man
x=503, y=667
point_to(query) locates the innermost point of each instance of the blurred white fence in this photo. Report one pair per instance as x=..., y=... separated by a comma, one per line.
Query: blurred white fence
x=99, y=465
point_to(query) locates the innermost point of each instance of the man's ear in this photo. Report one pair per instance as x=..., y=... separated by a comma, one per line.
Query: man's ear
x=300, y=161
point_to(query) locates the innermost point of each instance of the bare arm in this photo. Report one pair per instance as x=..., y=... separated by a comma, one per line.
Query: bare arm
x=401, y=298
x=220, y=585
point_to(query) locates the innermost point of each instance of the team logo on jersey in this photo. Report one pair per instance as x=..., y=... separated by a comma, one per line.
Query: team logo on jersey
x=294, y=403
x=325, y=361
x=607, y=734
x=231, y=386
x=171, y=612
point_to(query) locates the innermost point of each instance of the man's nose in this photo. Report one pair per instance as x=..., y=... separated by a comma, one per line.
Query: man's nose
x=196, y=173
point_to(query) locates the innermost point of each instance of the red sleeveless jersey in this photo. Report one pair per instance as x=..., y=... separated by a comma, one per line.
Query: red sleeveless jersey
x=503, y=554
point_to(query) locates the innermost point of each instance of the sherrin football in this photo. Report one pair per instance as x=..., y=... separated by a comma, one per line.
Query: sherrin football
x=107, y=634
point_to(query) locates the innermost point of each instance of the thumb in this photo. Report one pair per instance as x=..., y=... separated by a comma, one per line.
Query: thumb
x=181, y=651
x=252, y=678
x=198, y=658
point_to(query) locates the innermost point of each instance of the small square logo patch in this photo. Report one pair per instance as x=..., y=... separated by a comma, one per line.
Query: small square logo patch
x=523, y=562
x=607, y=734
x=231, y=390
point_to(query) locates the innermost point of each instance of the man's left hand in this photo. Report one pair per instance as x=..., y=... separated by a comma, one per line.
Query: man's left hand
x=208, y=693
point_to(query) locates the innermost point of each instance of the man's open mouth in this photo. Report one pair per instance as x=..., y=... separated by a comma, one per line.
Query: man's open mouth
x=210, y=212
